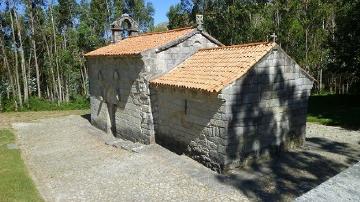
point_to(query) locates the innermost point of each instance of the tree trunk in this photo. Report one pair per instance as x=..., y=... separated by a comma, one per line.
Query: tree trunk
x=306, y=48
x=29, y=74
x=56, y=58
x=86, y=80
x=83, y=80
x=7, y=66
x=17, y=78
x=321, y=78
x=67, y=94
x=34, y=47
x=22, y=56
x=54, y=86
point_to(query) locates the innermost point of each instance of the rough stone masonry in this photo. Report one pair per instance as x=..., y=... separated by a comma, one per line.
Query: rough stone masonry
x=263, y=109
x=119, y=77
x=218, y=105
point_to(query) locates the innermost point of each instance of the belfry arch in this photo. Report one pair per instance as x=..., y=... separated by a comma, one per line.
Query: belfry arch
x=124, y=27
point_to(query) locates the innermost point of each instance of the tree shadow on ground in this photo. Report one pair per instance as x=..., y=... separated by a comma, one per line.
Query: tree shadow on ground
x=351, y=154
x=287, y=173
x=292, y=173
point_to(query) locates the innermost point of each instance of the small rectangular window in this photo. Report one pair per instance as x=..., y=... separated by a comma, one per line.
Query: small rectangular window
x=186, y=106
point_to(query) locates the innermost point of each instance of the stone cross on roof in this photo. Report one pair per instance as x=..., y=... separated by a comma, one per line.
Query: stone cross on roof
x=273, y=36
x=199, y=22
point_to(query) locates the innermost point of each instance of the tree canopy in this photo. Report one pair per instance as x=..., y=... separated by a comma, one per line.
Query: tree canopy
x=321, y=35
x=42, y=44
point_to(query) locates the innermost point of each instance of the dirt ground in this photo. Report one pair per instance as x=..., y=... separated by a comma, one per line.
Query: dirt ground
x=7, y=118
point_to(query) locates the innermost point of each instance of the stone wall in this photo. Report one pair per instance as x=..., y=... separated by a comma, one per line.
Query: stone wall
x=119, y=88
x=117, y=91
x=190, y=122
x=161, y=62
x=157, y=63
x=266, y=108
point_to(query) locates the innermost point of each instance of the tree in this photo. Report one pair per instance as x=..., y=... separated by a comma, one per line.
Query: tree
x=100, y=16
x=178, y=17
x=31, y=7
x=345, y=48
x=141, y=12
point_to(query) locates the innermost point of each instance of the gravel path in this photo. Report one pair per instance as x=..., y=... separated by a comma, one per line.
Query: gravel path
x=328, y=151
x=342, y=187
x=69, y=162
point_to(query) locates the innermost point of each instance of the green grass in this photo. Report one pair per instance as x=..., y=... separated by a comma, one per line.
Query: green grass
x=36, y=104
x=15, y=183
x=335, y=110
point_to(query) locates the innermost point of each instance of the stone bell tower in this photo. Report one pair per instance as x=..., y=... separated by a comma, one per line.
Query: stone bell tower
x=124, y=27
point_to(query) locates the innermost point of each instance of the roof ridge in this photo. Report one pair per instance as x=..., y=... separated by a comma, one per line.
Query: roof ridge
x=237, y=46
x=162, y=32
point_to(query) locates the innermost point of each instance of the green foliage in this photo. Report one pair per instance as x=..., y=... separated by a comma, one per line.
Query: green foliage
x=142, y=12
x=177, y=17
x=66, y=13
x=99, y=13
x=15, y=183
x=159, y=28
x=304, y=29
x=60, y=32
x=345, y=48
x=38, y=104
x=335, y=110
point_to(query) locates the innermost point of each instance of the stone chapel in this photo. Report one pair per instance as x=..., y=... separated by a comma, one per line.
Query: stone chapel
x=185, y=90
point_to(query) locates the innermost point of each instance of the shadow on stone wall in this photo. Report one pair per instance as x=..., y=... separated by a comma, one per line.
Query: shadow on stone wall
x=182, y=128
x=262, y=128
x=115, y=83
x=288, y=173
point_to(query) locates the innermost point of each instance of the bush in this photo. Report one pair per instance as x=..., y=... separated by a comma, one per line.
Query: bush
x=40, y=104
x=336, y=110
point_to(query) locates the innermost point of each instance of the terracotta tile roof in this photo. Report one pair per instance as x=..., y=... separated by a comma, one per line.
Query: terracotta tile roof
x=137, y=44
x=213, y=69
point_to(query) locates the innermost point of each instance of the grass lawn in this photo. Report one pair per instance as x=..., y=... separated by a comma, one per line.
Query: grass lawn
x=335, y=110
x=15, y=183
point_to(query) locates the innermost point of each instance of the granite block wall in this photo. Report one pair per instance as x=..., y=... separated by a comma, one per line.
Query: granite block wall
x=119, y=88
x=266, y=108
x=192, y=123
x=158, y=63
x=116, y=89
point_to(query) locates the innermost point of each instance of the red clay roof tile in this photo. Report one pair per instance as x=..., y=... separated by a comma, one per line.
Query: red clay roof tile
x=137, y=44
x=214, y=68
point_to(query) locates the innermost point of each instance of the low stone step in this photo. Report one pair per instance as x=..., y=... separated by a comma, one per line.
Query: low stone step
x=126, y=145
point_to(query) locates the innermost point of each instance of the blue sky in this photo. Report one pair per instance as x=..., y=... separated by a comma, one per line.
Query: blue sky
x=161, y=8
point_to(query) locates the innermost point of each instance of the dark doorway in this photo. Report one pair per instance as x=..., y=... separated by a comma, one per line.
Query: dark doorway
x=112, y=110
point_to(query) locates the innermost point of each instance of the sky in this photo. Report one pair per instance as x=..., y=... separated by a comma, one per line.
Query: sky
x=161, y=8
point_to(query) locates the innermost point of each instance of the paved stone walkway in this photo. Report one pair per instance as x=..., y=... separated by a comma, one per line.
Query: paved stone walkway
x=69, y=161
x=343, y=187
